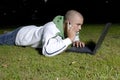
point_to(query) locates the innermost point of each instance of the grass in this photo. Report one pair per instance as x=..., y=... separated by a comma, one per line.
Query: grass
x=19, y=63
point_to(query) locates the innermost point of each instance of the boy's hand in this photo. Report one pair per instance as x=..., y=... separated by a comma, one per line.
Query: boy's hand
x=71, y=32
x=79, y=44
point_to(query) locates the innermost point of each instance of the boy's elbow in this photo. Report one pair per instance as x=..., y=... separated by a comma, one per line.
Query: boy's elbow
x=50, y=53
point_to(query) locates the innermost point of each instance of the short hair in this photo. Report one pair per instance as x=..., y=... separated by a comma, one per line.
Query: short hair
x=72, y=13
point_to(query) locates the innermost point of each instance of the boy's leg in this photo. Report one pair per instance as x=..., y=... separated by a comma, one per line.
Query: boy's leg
x=9, y=38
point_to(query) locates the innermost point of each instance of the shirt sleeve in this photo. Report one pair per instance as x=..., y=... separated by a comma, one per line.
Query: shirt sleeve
x=55, y=46
x=52, y=43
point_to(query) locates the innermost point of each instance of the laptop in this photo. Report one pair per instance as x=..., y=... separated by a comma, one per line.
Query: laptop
x=91, y=47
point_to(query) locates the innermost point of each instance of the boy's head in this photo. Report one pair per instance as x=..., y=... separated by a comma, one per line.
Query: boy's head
x=74, y=18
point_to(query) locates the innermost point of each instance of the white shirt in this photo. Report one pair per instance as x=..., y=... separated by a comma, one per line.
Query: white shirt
x=43, y=36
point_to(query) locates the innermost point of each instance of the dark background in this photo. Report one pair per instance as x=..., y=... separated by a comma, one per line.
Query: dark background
x=21, y=12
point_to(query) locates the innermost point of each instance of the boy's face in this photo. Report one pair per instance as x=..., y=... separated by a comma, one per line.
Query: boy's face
x=76, y=22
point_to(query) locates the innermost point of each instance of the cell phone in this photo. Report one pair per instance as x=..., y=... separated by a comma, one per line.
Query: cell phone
x=69, y=25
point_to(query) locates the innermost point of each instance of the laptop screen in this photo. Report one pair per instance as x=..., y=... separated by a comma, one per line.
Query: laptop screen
x=102, y=37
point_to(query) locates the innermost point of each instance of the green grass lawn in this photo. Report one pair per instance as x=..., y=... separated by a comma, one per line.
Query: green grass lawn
x=19, y=63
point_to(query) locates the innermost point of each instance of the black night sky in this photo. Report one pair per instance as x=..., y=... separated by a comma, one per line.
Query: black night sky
x=14, y=12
